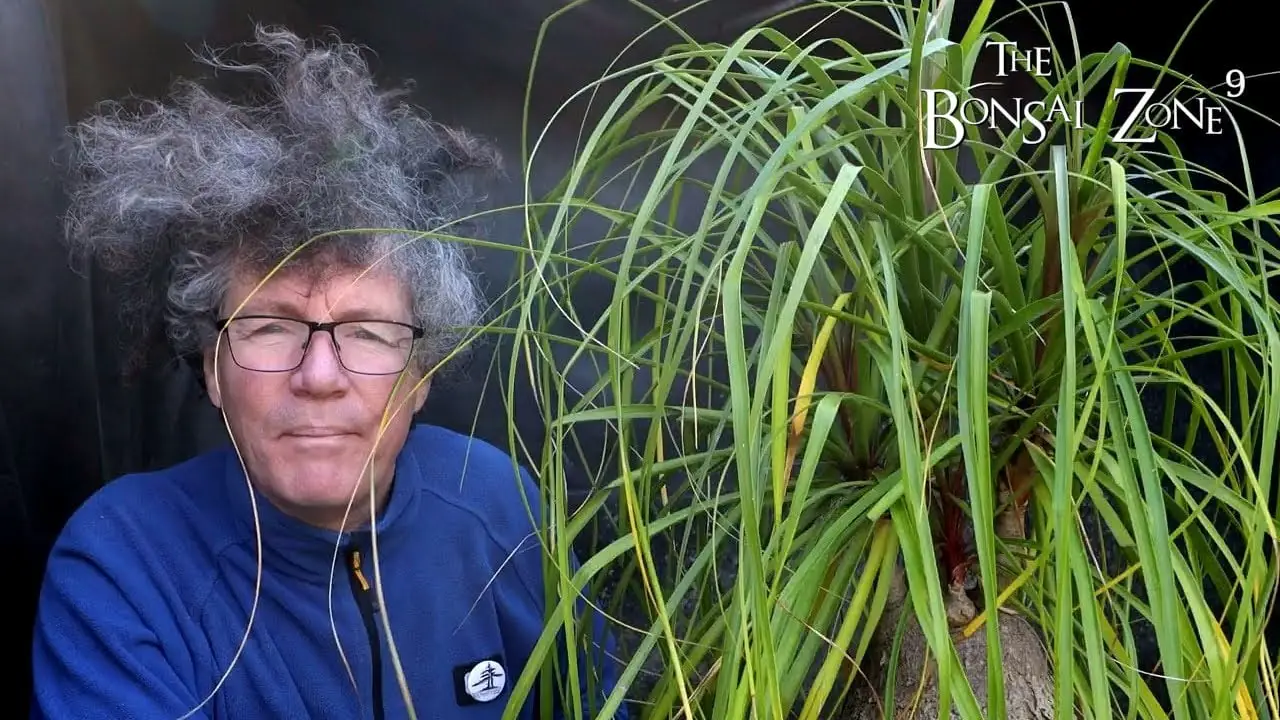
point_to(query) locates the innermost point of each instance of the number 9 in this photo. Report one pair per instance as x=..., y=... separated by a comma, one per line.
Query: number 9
x=1235, y=81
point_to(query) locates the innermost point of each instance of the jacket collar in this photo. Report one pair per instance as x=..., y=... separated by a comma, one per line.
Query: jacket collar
x=307, y=552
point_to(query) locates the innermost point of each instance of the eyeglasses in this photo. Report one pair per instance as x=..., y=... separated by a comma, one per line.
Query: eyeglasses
x=265, y=343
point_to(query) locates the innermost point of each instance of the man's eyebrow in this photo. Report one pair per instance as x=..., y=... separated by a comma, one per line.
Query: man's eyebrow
x=271, y=307
x=285, y=308
x=361, y=312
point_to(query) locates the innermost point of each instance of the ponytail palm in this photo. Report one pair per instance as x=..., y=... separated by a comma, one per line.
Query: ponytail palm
x=803, y=357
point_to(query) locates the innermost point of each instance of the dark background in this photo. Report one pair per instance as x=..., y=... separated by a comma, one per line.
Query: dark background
x=68, y=419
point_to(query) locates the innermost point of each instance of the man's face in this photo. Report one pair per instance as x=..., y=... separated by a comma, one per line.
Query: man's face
x=306, y=435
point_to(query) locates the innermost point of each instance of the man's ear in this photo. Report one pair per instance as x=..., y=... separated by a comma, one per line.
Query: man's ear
x=211, y=378
x=420, y=396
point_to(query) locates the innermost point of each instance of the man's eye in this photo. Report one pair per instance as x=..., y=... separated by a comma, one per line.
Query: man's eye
x=265, y=330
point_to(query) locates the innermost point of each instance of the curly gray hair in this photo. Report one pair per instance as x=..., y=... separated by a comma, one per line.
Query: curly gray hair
x=184, y=193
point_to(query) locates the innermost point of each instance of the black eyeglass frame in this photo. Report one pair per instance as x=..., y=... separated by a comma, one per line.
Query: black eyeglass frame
x=315, y=327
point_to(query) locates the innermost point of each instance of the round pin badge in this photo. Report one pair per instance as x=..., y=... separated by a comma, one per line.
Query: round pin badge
x=485, y=681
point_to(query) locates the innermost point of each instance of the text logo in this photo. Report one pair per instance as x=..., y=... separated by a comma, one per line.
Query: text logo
x=946, y=115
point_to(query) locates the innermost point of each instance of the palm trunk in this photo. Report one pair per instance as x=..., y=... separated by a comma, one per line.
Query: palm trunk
x=1028, y=677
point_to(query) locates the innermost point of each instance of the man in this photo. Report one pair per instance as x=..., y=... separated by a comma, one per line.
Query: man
x=252, y=582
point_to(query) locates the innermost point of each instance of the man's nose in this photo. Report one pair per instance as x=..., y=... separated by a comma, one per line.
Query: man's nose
x=321, y=371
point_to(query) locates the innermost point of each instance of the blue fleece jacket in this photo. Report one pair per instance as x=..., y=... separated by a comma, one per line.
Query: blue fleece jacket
x=151, y=584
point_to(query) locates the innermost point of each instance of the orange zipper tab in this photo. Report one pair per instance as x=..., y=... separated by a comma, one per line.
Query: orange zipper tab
x=355, y=567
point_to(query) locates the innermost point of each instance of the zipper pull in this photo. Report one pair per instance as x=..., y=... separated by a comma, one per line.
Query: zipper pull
x=358, y=572
x=365, y=586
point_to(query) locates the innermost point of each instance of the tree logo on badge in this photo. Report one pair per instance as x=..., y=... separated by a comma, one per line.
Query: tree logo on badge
x=485, y=681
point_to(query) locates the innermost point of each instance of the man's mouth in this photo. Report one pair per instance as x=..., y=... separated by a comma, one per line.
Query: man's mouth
x=317, y=433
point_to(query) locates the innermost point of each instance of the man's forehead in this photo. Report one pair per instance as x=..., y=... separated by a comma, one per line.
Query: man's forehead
x=345, y=291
